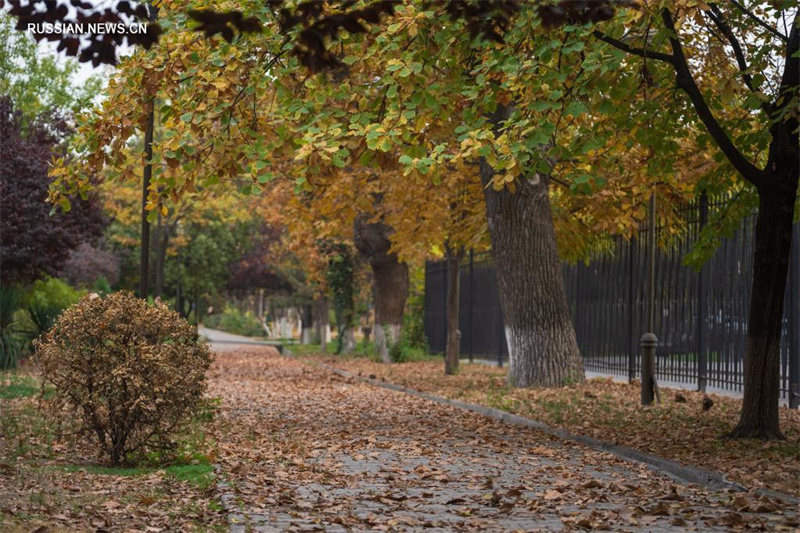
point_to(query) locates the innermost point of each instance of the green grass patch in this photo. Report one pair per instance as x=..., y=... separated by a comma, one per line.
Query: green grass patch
x=17, y=386
x=17, y=390
x=199, y=475
x=309, y=349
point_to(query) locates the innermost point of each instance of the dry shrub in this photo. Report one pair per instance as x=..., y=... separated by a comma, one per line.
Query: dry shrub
x=131, y=372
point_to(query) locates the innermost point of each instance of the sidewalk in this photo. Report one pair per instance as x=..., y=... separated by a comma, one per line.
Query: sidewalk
x=303, y=448
x=223, y=341
x=681, y=385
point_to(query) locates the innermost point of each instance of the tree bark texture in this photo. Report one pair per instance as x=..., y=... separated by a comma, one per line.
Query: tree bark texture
x=390, y=283
x=452, y=349
x=759, y=416
x=543, y=350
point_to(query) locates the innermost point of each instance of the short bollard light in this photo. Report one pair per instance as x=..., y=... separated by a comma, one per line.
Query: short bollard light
x=648, y=344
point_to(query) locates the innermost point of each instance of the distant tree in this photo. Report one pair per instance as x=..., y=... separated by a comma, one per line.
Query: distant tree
x=36, y=242
x=87, y=264
x=36, y=81
x=257, y=267
x=340, y=278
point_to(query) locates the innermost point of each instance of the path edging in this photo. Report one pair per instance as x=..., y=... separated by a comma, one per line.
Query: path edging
x=673, y=469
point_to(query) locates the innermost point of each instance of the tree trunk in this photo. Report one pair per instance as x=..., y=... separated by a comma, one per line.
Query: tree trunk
x=542, y=347
x=162, y=240
x=306, y=325
x=773, y=241
x=391, y=291
x=196, y=308
x=777, y=191
x=391, y=283
x=180, y=301
x=320, y=319
x=347, y=340
x=451, y=353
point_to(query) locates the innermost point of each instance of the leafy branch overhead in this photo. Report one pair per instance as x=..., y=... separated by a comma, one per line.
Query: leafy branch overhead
x=318, y=22
x=97, y=48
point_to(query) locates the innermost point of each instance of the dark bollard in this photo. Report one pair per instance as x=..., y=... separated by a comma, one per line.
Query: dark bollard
x=648, y=346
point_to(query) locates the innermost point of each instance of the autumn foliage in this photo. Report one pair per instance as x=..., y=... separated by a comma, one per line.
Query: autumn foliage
x=130, y=372
x=34, y=241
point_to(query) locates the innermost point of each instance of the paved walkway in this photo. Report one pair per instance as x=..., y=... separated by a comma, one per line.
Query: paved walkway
x=303, y=449
x=222, y=341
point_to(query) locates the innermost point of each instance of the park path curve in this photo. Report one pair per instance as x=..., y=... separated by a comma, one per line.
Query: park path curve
x=303, y=449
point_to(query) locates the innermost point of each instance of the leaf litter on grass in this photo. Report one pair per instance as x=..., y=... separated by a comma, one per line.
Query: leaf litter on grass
x=54, y=480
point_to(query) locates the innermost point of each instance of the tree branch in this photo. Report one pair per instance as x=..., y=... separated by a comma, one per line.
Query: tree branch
x=685, y=81
x=642, y=52
x=783, y=150
x=719, y=19
x=758, y=21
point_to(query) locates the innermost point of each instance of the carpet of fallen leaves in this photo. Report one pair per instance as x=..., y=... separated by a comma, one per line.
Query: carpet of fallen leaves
x=302, y=448
x=51, y=480
x=678, y=428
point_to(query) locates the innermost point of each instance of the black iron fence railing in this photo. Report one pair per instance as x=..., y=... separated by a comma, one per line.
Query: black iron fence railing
x=701, y=317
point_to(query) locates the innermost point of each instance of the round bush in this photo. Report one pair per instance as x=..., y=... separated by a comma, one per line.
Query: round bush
x=128, y=370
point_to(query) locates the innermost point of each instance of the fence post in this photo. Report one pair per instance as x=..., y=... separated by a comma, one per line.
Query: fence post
x=631, y=312
x=445, y=280
x=470, y=291
x=794, y=322
x=702, y=307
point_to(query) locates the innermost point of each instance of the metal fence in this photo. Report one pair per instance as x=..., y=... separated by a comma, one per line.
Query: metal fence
x=701, y=316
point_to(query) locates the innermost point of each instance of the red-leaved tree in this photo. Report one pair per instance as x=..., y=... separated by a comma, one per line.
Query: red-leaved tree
x=35, y=242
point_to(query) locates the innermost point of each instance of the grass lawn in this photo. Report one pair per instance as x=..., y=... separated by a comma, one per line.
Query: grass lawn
x=610, y=411
x=49, y=476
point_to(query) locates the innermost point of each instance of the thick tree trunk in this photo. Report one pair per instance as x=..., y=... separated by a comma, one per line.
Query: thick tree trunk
x=451, y=353
x=391, y=283
x=347, y=340
x=542, y=347
x=777, y=190
x=391, y=291
x=773, y=241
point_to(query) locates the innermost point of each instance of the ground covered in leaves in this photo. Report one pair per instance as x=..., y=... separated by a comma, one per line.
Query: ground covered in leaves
x=297, y=447
x=51, y=480
x=678, y=428
x=302, y=448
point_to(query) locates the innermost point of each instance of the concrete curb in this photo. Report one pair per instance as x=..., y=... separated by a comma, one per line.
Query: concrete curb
x=673, y=469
